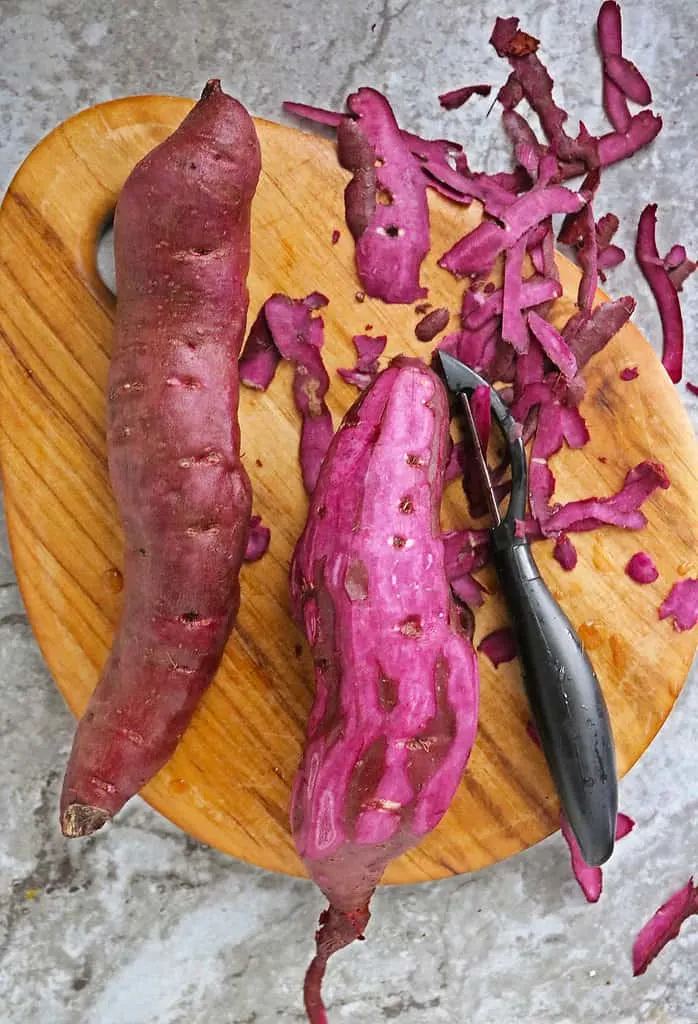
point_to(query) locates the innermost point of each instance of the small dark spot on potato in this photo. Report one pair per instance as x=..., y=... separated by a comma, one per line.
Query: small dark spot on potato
x=414, y=460
x=387, y=693
x=321, y=511
x=398, y=542
x=322, y=664
x=298, y=650
x=142, y=551
x=190, y=616
x=392, y=231
x=258, y=463
x=412, y=626
x=406, y=505
x=356, y=580
x=384, y=196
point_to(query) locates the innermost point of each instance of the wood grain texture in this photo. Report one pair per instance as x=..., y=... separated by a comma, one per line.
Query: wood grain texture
x=229, y=781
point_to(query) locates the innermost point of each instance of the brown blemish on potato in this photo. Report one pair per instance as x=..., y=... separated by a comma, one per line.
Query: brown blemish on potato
x=356, y=580
x=82, y=820
x=365, y=778
x=424, y=743
x=311, y=389
x=412, y=626
x=428, y=749
x=387, y=692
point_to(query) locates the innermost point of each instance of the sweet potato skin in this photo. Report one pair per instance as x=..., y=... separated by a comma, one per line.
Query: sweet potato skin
x=395, y=709
x=182, y=245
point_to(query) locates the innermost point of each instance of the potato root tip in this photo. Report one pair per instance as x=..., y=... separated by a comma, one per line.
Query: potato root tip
x=80, y=820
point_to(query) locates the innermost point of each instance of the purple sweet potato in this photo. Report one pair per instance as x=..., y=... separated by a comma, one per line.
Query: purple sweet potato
x=288, y=329
x=395, y=707
x=681, y=604
x=664, y=290
x=641, y=568
x=432, y=324
x=457, y=97
x=356, y=154
x=499, y=646
x=182, y=243
x=609, y=32
x=257, y=540
x=385, y=202
x=565, y=552
x=664, y=926
x=590, y=879
x=368, y=350
x=260, y=356
x=299, y=338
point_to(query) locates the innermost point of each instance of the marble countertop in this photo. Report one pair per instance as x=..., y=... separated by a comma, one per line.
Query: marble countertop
x=143, y=925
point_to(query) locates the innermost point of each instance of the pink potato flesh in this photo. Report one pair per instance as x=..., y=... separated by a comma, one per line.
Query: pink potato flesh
x=396, y=699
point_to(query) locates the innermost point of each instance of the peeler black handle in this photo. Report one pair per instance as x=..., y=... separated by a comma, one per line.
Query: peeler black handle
x=565, y=697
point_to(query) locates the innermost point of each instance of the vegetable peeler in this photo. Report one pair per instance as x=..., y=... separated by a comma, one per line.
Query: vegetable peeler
x=568, y=706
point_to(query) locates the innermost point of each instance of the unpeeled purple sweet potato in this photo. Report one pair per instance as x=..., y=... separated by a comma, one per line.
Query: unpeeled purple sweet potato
x=395, y=707
x=182, y=246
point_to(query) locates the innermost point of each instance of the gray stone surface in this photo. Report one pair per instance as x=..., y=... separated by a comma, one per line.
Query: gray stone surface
x=142, y=925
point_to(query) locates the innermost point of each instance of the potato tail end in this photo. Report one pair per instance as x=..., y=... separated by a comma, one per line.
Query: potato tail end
x=212, y=88
x=337, y=929
x=79, y=820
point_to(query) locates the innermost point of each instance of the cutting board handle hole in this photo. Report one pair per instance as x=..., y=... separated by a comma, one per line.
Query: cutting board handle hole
x=105, y=253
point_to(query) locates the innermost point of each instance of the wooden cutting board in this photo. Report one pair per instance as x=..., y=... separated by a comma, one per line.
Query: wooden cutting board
x=229, y=781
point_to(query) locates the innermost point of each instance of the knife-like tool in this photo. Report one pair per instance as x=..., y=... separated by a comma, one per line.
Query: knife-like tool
x=566, y=700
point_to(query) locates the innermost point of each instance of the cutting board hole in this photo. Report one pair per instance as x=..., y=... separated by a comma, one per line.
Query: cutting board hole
x=105, y=254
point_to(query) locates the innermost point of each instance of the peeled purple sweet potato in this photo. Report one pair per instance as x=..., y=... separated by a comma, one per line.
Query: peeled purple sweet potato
x=396, y=698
